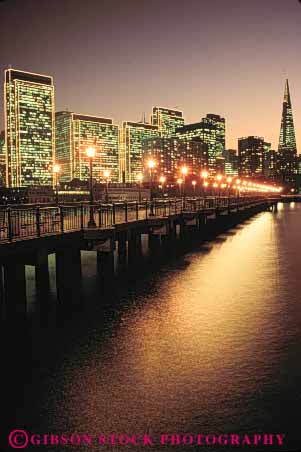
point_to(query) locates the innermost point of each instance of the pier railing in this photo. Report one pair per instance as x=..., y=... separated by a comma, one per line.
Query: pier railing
x=28, y=221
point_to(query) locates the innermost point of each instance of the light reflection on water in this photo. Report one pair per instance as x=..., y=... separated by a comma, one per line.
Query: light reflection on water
x=207, y=344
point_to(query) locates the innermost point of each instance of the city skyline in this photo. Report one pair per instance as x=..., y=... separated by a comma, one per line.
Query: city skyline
x=124, y=79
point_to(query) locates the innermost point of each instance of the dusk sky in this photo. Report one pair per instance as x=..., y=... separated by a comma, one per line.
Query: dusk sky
x=119, y=58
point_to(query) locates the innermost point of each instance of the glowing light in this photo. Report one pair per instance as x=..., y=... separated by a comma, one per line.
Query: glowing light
x=162, y=179
x=107, y=174
x=90, y=152
x=56, y=168
x=219, y=177
x=206, y=184
x=139, y=177
x=194, y=183
x=215, y=185
x=229, y=180
x=151, y=163
x=204, y=174
x=180, y=181
x=184, y=170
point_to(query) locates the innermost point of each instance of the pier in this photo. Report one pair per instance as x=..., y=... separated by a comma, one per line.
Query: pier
x=28, y=234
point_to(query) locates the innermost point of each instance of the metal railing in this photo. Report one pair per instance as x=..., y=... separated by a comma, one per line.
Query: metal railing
x=23, y=222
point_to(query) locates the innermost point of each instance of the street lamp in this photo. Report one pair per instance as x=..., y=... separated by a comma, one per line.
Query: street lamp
x=91, y=154
x=179, y=182
x=184, y=172
x=151, y=163
x=194, y=186
x=56, y=170
x=162, y=181
x=204, y=175
x=139, y=179
x=107, y=174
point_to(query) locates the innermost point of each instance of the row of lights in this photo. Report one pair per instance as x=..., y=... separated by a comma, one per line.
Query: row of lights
x=236, y=184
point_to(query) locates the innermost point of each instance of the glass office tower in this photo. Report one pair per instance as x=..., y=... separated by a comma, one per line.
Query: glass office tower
x=132, y=136
x=74, y=134
x=205, y=132
x=29, y=128
x=167, y=120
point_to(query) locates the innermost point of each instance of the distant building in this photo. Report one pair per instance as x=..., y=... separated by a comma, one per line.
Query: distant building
x=288, y=163
x=271, y=165
x=2, y=160
x=74, y=134
x=171, y=154
x=132, y=136
x=251, y=152
x=206, y=132
x=27, y=195
x=231, y=162
x=167, y=120
x=220, y=125
x=29, y=128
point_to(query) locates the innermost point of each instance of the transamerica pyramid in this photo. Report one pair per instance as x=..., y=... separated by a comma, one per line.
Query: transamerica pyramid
x=287, y=141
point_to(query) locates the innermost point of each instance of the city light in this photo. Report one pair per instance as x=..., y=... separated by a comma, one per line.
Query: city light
x=179, y=181
x=140, y=177
x=56, y=168
x=193, y=183
x=204, y=174
x=151, y=163
x=90, y=152
x=184, y=170
x=219, y=177
x=107, y=174
x=162, y=179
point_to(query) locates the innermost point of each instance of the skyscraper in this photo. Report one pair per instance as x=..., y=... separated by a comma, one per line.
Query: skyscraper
x=167, y=120
x=171, y=153
x=74, y=134
x=231, y=162
x=132, y=136
x=220, y=124
x=29, y=128
x=288, y=165
x=251, y=152
x=2, y=159
x=206, y=132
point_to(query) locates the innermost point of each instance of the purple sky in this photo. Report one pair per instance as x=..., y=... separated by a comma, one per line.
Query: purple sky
x=118, y=58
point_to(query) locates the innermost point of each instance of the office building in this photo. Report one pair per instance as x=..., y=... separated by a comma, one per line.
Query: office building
x=170, y=154
x=251, y=153
x=2, y=160
x=167, y=120
x=231, y=162
x=205, y=132
x=29, y=128
x=74, y=134
x=132, y=136
x=220, y=125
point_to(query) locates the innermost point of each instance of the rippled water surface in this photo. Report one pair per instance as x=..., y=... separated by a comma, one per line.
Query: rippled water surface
x=210, y=343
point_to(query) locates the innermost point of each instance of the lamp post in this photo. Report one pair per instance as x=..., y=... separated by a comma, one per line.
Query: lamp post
x=56, y=170
x=151, y=165
x=179, y=182
x=204, y=175
x=219, y=178
x=184, y=172
x=91, y=154
x=194, y=186
x=107, y=174
x=139, y=179
x=162, y=181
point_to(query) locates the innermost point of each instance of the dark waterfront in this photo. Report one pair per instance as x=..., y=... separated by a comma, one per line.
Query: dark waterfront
x=208, y=343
